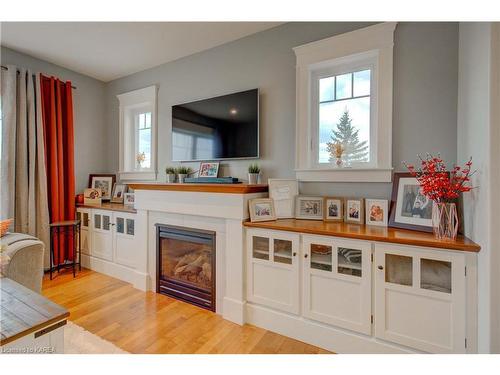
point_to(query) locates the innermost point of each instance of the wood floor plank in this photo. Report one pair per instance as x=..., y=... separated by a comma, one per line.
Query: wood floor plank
x=147, y=322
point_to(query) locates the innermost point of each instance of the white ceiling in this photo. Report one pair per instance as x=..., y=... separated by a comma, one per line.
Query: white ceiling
x=110, y=50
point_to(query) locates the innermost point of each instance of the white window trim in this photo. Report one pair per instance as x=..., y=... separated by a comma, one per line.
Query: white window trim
x=137, y=98
x=375, y=42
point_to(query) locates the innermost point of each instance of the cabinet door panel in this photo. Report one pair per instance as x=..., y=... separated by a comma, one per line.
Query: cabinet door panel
x=102, y=236
x=420, y=298
x=337, y=282
x=127, y=249
x=272, y=269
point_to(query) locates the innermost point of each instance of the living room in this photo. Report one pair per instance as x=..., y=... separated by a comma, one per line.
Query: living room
x=288, y=187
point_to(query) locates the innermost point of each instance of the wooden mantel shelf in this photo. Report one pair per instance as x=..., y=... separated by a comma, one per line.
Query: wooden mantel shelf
x=204, y=188
x=366, y=232
x=109, y=206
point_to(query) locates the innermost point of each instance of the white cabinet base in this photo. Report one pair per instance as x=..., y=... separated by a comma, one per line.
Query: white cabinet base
x=139, y=280
x=325, y=336
x=48, y=343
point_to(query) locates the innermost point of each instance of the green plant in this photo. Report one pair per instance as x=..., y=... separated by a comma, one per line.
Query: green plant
x=253, y=168
x=170, y=170
x=184, y=170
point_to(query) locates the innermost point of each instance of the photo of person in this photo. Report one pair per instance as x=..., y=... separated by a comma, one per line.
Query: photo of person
x=208, y=170
x=261, y=209
x=118, y=191
x=415, y=204
x=377, y=212
x=103, y=182
x=354, y=210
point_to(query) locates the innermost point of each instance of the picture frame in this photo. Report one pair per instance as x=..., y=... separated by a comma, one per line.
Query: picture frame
x=92, y=197
x=208, y=170
x=406, y=213
x=334, y=209
x=261, y=209
x=309, y=207
x=118, y=191
x=354, y=210
x=377, y=212
x=105, y=182
x=283, y=193
x=129, y=199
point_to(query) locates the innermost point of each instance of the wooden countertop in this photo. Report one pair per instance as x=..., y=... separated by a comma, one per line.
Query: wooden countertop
x=110, y=207
x=366, y=232
x=204, y=188
x=24, y=311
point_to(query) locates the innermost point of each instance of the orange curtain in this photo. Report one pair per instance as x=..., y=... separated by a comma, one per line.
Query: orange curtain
x=57, y=114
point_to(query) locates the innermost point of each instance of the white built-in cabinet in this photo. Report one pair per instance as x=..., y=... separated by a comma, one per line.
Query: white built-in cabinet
x=408, y=296
x=420, y=298
x=273, y=269
x=114, y=243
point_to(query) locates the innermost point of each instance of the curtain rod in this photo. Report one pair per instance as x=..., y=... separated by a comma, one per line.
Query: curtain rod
x=5, y=68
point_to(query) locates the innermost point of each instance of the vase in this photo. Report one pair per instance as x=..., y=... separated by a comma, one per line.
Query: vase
x=445, y=220
x=253, y=178
x=181, y=177
x=339, y=162
x=170, y=178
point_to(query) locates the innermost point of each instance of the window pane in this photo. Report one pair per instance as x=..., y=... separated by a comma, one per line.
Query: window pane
x=349, y=261
x=362, y=83
x=343, y=86
x=283, y=251
x=260, y=247
x=347, y=122
x=326, y=89
x=141, y=120
x=204, y=148
x=435, y=275
x=321, y=257
x=148, y=120
x=183, y=146
x=398, y=269
x=145, y=146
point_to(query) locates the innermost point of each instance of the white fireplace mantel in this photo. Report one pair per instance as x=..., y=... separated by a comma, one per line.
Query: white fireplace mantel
x=222, y=213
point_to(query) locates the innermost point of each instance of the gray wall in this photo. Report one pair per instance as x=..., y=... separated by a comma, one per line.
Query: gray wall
x=89, y=113
x=425, y=95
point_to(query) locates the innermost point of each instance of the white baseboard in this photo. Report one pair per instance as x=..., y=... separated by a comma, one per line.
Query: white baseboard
x=138, y=279
x=314, y=333
x=234, y=310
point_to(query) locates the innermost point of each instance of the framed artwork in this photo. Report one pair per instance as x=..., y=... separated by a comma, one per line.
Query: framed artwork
x=261, y=209
x=104, y=182
x=377, y=212
x=334, y=209
x=208, y=170
x=129, y=199
x=410, y=209
x=92, y=196
x=354, y=210
x=118, y=191
x=283, y=193
x=310, y=208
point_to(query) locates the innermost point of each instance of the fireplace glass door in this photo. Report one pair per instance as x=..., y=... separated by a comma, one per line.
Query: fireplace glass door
x=186, y=267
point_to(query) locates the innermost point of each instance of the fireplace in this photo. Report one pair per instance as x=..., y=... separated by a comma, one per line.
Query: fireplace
x=185, y=266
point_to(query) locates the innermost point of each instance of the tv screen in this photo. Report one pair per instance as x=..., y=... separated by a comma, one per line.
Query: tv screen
x=224, y=127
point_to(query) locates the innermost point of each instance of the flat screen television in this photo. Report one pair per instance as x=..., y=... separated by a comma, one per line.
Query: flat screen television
x=224, y=127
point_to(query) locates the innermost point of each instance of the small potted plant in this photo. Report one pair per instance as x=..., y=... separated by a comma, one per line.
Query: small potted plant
x=171, y=172
x=253, y=173
x=182, y=173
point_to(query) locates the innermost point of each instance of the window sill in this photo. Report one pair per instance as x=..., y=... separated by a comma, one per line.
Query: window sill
x=138, y=176
x=345, y=175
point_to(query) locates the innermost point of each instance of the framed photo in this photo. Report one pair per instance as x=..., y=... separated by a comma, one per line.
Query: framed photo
x=377, y=212
x=354, y=210
x=92, y=196
x=334, y=209
x=208, y=170
x=283, y=193
x=129, y=199
x=410, y=209
x=118, y=191
x=261, y=209
x=310, y=208
x=104, y=182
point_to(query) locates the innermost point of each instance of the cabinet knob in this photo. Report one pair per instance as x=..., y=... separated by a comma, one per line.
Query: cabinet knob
x=294, y=254
x=380, y=267
x=305, y=255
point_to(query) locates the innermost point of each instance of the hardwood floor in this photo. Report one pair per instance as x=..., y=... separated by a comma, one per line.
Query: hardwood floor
x=146, y=322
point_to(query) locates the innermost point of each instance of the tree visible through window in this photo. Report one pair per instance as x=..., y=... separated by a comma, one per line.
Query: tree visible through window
x=344, y=117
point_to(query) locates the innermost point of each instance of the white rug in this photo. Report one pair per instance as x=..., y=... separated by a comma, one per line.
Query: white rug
x=80, y=341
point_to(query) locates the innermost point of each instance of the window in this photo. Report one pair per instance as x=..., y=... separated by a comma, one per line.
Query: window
x=344, y=101
x=138, y=134
x=344, y=117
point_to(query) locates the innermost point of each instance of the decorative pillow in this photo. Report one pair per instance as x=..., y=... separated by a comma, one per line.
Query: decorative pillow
x=4, y=226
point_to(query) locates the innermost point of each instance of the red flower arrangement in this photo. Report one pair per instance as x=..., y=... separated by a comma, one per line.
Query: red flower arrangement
x=437, y=182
